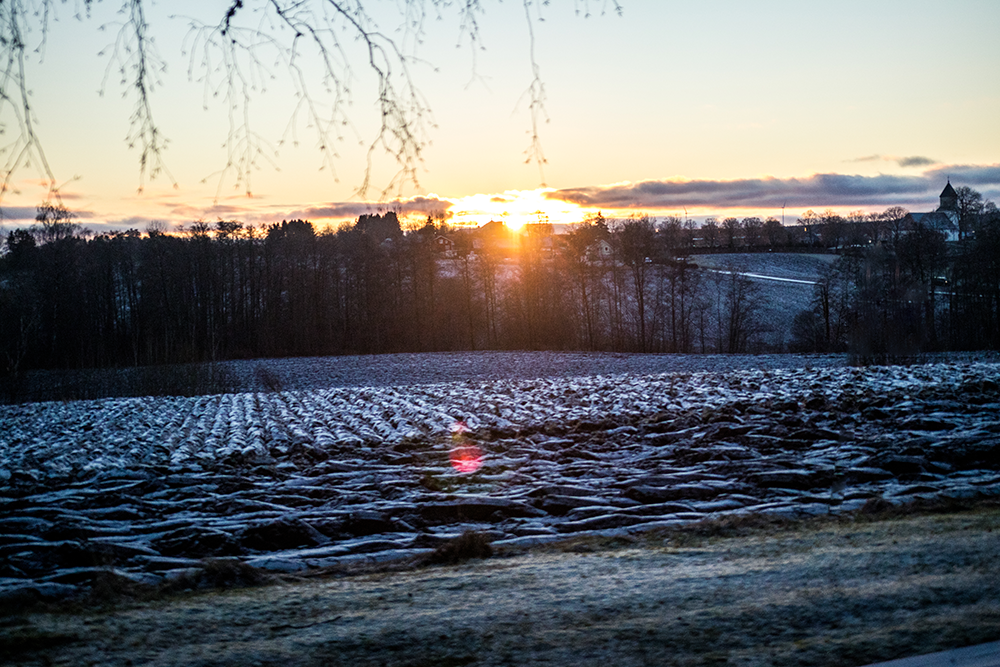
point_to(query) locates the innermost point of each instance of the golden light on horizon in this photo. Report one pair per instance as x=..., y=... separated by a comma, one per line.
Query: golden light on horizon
x=516, y=208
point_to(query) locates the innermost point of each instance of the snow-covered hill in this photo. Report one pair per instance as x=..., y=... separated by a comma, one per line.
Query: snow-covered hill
x=784, y=282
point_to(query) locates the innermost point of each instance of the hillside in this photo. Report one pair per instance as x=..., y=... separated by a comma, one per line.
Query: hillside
x=785, y=284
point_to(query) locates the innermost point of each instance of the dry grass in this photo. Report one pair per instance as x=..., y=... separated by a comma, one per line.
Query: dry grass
x=747, y=525
x=838, y=591
x=467, y=546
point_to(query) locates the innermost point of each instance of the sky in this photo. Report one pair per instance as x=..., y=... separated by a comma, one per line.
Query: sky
x=724, y=108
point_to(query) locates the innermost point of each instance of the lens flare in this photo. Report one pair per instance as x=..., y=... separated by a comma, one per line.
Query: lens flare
x=465, y=456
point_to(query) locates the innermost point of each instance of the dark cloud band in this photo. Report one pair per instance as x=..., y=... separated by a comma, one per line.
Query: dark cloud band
x=17, y=213
x=351, y=210
x=908, y=161
x=814, y=191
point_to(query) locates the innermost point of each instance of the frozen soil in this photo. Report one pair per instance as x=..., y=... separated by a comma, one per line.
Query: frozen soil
x=152, y=489
x=846, y=590
x=402, y=369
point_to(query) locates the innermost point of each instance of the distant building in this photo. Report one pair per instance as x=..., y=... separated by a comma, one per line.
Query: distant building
x=444, y=245
x=599, y=250
x=943, y=220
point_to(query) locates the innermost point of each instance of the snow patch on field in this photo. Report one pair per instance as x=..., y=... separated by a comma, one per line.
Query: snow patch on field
x=320, y=474
x=59, y=439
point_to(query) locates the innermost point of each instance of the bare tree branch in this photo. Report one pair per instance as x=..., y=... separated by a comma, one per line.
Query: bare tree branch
x=253, y=43
x=536, y=95
x=136, y=59
x=25, y=148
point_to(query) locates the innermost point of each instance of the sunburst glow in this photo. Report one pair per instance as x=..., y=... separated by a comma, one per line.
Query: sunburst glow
x=515, y=208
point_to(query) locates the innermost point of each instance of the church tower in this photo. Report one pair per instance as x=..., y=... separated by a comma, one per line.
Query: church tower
x=949, y=198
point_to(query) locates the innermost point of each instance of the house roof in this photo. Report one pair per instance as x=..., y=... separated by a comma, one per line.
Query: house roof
x=942, y=221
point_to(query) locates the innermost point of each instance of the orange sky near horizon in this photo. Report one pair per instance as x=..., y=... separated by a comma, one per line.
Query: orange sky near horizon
x=722, y=108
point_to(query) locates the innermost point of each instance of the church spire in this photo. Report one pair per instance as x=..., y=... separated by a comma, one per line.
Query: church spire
x=949, y=198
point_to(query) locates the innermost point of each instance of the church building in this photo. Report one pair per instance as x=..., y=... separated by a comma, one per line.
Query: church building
x=944, y=219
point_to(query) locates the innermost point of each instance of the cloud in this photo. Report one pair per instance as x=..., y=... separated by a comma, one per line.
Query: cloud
x=21, y=214
x=818, y=190
x=70, y=196
x=915, y=161
x=134, y=222
x=975, y=176
x=351, y=210
x=175, y=215
x=909, y=161
x=17, y=213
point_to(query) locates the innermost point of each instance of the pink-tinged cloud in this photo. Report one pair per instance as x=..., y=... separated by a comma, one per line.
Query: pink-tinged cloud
x=135, y=222
x=210, y=213
x=352, y=210
x=819, y=190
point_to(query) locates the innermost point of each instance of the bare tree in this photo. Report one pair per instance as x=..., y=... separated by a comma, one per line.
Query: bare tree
x=874, y=227
x=246, y=44
x=55, y=222
x=670, y=235
x=831, y=228
x=970, y=209
x=752, y=230
x=710, y=232
x=894, y=221
x=775, y=232
x=731, y=228
x=740, y=316
x=831, y=302
x=809, y=223
x=635, y=238
x=580, y=254
x=856, y=227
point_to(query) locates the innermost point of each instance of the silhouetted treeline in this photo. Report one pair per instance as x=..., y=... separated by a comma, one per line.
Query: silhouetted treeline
x=227, y=291
x=912, y=292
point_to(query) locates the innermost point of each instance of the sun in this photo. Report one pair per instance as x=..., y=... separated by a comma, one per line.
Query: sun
x=516, y=208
